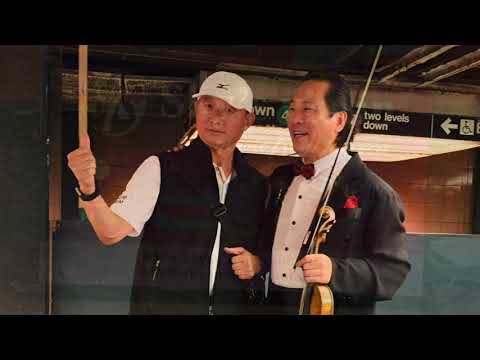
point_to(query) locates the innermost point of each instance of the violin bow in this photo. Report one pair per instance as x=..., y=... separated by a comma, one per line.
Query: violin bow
x=328, y=188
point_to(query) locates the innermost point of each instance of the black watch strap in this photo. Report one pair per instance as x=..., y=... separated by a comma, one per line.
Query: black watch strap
x=90, y=197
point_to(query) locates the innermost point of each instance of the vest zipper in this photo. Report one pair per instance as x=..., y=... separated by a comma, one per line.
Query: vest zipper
x=155, y=270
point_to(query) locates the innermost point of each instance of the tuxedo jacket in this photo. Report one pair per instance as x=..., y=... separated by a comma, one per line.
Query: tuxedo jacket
x=367, y=244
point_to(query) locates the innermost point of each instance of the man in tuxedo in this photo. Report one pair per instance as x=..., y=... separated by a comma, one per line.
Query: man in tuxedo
x=364, y=258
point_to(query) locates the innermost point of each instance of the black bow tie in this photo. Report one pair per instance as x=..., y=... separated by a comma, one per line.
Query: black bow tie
x=307, y=170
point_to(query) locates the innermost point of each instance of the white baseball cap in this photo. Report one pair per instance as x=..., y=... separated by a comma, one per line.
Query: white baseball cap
x=228, y=87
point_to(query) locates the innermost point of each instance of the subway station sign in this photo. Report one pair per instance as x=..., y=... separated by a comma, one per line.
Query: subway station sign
x=394, y=123
x=456, y=127
x=419, y=124
x=386, y=122
x=270, y=113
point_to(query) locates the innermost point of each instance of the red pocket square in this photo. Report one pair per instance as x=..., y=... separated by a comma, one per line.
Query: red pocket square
x=351, y=203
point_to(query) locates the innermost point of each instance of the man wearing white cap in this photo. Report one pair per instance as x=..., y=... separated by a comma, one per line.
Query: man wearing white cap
x=199, y=210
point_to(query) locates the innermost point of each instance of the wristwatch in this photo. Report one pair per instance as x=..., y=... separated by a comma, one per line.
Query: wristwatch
x=90, y=197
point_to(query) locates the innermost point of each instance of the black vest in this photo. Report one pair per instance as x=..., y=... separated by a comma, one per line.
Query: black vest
x=173, y=260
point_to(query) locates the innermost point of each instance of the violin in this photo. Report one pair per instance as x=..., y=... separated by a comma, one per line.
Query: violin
x=319, y=296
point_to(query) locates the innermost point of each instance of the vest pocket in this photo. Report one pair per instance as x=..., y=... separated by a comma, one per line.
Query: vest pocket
x=349, y=214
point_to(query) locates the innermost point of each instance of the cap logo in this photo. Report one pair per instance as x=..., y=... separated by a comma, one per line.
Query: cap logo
x=222, y=86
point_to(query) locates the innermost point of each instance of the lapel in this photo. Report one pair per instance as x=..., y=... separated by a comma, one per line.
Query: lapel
x=347, y=183
x=279, y=185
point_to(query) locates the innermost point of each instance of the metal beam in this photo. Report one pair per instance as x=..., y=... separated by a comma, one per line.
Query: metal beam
x=415, y=53
x=262, y=70
x=146, y=54
x=413, y=86
x=415, y=57
x=451, y=68
x=349, y=53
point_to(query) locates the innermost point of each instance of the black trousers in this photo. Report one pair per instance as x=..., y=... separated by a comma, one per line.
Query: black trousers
x=285, y=301
x=282, y=301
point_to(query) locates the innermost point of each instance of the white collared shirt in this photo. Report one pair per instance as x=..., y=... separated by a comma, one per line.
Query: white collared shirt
x=296, y=215
x=135, y=205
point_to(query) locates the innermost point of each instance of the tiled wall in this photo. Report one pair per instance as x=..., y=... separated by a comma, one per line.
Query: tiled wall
x=436, y=191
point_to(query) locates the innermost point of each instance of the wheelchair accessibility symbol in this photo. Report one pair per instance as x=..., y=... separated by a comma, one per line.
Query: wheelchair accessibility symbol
x=467, y=127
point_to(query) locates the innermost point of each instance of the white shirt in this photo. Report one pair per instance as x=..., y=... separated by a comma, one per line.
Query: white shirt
x=135, y=205
x=296, y=215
